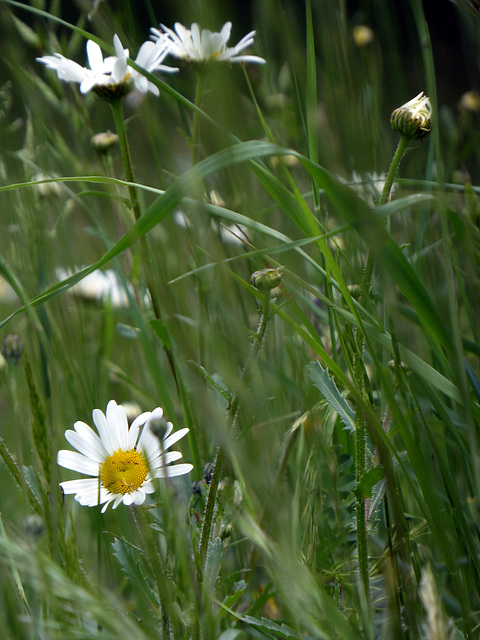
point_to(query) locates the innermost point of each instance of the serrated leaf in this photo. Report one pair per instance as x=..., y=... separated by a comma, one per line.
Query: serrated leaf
x=212, y=564
x=332, y=395
x=128, y=557
x=265, y=623
x=372, y=477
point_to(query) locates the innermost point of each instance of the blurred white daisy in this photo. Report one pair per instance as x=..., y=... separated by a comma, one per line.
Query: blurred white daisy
x=235, y=234
x=121, y=465
x=205, y=46
x=101, y=286
x=112, y=76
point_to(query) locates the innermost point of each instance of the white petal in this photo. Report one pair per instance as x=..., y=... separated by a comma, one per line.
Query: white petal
x=225, y=32
x=118, y=425
x=139, y=496
x=87, y=84
x=77, y=462
x=108, y=439
x=118, y=499
x=175, y=437
x=135, y=426
x=255, y=59
x=119, y=50
x=86, y=490
x=85, y=440
x=175, y=470
x=95, y=56
x=129, y=498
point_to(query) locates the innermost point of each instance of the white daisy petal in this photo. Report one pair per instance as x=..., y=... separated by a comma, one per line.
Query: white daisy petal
x=118, y=425
x=104, y=430
x=135, y=427
x=204, y=46
x=77, y=462
x=95, y=56
x=175, y=437
x=175, y=470
x=79, y=486
x=86, y=441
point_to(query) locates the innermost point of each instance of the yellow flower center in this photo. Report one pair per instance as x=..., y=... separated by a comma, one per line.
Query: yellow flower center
x=123, y=471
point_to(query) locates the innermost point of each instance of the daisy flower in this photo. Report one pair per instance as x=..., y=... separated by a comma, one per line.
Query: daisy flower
x=121, y=465
x=205, y=46
x=102, y=286
x=112, y=76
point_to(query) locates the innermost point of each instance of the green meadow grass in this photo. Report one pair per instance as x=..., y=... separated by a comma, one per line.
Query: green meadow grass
x=334, y=418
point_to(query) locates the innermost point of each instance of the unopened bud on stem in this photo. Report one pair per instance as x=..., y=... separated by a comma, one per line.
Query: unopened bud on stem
x=267, y=279
x=413, y=119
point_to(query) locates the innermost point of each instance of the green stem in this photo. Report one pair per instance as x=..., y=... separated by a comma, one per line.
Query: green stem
x=360, y=468
x=231, y=417
x=116, y=105
x=360, y=431
x=196, y=115
x=397, y=158
x=399, y=153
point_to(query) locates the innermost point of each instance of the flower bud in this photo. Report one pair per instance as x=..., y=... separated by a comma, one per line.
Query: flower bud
x=267, y=279
x=12, y=349
x=102, y=142
x=159, y=427
x=362, y=35
x=412, y=119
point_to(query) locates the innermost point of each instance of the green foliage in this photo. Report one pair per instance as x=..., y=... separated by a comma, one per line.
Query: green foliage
x=333, y=420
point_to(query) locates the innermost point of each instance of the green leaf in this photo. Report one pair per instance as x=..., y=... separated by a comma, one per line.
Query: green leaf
x=372, y=477
x=128, y=557
x=332, y=395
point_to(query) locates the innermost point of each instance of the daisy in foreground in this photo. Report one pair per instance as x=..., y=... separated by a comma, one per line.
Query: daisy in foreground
x=121, y=465
x=112, y=76
x=205, y=46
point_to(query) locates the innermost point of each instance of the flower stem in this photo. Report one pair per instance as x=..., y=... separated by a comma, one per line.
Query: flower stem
x=359, y=373
x=232, y=412
x=360, y=468
x=116, y=104
x=399, y=153
x=196, y=116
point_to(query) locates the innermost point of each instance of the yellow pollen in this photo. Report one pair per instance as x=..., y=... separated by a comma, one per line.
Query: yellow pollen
x=123, y=471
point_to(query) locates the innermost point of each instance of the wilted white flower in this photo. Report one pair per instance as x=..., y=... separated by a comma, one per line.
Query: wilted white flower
x=205, y=46
x=112, y=76
x=121, y=465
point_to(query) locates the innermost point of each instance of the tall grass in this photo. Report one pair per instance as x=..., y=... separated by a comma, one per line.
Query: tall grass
x=333, y=418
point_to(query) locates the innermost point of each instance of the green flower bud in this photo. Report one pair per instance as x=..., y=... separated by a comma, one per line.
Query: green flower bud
x=267, y=279
x=12, y=349
x=413, y=119
x=159, y=427
x=103, y=141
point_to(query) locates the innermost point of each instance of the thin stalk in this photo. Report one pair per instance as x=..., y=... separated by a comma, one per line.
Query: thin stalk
x=231, y=417
x=196, y=115
x=116, y=105
x=360, y=468
x=359, y=373
x=397, y=158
